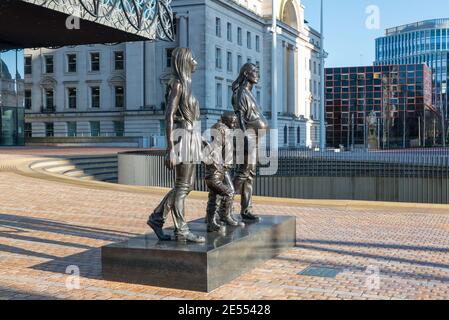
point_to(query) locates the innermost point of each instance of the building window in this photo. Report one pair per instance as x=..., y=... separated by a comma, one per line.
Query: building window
x=119, y=128
x=28, y=130
x=119, y=97
x=162, y=128
x=229, y=61
x=230, y=94
x=218, y=27
x=248, y=40
x=298, y=135
x=218, y=58
x=285, y=135
x=314, y=67
x=239, y=62
x=249, y=60
x=258, y=95
x=95, y=128
x=48, y=64
x=239, y=36
x=49, y=129
x=94, y=61
x=71, y=63
x=49, y=101
x=119, y=60
x=258, y=65
x=219, y=95
x=71, y=93
x=28, y=65
x=95, y=97
x=71, y=129
x=229, y=32
x=257, y=43
x=28, y=100
x=169, y=53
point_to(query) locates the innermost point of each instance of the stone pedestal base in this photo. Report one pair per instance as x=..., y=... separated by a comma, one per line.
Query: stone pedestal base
x=198, y=267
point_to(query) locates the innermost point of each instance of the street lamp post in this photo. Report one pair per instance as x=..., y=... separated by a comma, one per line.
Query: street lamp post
x=274, y=84
x=322, y=104
x=443, y=125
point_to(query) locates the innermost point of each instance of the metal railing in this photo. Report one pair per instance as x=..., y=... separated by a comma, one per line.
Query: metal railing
x=420, y=176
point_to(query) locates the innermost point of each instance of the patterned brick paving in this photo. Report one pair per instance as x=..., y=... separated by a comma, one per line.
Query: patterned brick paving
x=383, y=253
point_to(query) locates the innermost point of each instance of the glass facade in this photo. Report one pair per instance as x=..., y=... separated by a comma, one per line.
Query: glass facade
x=12, y=98
x=421, y=42
x=379, y=106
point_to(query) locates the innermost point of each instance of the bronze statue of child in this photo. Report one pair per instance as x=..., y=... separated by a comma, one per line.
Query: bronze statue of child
x=219, y=162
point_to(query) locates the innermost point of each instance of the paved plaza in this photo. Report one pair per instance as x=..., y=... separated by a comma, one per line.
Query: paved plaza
x=50, y=229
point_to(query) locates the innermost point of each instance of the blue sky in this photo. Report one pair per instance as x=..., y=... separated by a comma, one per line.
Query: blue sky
x=9, y=58
x=348, y=41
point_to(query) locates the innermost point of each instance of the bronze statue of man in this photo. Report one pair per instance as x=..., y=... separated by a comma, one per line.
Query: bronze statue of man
x=254, y=125
x=219, y=162
x=184, y=144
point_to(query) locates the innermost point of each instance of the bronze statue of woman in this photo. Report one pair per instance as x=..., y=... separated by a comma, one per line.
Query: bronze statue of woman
x=183, y=147
x=254, y=125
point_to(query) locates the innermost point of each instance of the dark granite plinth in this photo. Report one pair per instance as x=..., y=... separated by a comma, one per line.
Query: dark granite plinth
x=198, y=267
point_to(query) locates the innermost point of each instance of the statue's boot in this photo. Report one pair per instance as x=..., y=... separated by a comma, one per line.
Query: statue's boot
x=226, y=216
x=190, y=237
x=158, y=231
x=212, y=224
x=247, y=215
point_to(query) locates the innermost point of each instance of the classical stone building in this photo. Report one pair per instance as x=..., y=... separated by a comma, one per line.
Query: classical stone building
x=119, y=89
x=57, y=23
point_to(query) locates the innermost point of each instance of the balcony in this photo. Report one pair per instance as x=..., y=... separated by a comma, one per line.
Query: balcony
x=54, y=23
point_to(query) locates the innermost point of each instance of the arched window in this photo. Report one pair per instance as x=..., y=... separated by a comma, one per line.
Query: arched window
x=289, y=15
x=285, y=135
x=298, y=135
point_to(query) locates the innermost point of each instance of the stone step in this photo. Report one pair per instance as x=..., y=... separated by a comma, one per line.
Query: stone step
x=67, y=168
x=92, y=171
x=101, y=177
x=96, y=167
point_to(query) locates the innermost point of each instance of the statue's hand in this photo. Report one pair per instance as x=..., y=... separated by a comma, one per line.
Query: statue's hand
x=170, y=159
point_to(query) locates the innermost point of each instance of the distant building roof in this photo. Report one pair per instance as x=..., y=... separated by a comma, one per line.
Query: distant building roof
x=421, y=25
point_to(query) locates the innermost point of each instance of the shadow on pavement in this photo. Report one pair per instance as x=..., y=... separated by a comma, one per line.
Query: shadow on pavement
x=88, y=261
x=301, y=244
x=14, y=294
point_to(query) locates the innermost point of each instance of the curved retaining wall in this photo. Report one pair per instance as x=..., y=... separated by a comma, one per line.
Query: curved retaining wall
x=316, y=179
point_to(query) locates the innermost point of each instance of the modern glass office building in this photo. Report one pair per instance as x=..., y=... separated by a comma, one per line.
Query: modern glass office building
x=421, y=42
x=380, y=107
x=11, y=98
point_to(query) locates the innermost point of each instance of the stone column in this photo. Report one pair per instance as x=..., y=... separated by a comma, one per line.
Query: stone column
x=291, y=96
x=282, y=74
x=150, y=71
x=183, y=30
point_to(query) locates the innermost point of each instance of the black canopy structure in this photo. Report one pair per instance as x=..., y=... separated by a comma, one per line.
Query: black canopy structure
x=54, y=23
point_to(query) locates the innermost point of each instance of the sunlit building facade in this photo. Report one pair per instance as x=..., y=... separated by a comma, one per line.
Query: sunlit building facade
x=83, y=93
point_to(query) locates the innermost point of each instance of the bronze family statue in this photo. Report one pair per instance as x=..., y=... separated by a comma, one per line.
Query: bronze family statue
x=186, y=149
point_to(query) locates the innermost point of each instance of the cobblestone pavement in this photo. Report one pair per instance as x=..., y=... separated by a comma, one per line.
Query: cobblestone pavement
x=382, y=253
